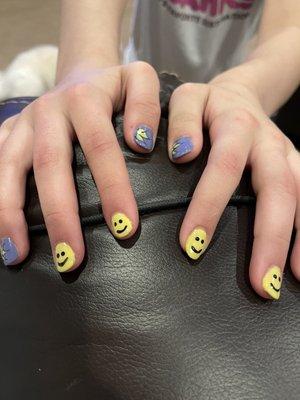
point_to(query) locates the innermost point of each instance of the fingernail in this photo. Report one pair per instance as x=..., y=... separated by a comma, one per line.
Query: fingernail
x=196, y=243
x=143, y=136
x=181, y=147
x=9, y=252
x=64, y=257
x=272, y=282
x=121, y=225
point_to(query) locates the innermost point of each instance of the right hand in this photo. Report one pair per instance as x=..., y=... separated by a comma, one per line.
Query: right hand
x=79, y=107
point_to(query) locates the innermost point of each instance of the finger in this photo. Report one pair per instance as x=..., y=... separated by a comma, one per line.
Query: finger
x=231, y=142
x=91, y=116
x=52, y=158
x=15, y=162
x=6, y=128
x=142, y=108
x=275, y=210
x=186, y=110
x=294, y=164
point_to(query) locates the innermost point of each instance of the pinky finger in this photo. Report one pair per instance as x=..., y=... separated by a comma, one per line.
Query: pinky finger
x=15, y=161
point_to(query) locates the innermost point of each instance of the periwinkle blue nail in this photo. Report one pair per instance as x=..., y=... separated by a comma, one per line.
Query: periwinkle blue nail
x=181, y=147
x=9, y=252
x=143, y=136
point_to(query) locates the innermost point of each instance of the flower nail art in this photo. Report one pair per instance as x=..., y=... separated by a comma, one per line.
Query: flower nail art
x=181, y=147
x=143, y=136
x=9, y=252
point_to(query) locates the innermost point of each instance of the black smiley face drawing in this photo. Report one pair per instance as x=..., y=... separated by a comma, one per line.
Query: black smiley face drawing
x=121, y=225
x=120, y=231
x=272, y=282
x=277, y=278
x=60, y=258
x=194, y=248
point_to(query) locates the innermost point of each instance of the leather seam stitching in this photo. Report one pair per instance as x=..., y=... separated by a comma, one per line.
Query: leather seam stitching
x=147, y=208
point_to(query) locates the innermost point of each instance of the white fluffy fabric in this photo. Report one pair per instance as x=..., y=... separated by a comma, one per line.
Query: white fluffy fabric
x=31, y=73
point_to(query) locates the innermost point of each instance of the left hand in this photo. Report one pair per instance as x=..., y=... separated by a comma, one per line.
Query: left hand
x=241, y=135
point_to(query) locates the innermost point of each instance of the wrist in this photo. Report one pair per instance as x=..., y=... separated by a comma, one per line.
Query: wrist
x=242, y=79
x=85, y=61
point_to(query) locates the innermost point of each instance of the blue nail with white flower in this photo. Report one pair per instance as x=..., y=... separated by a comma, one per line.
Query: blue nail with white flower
x=143, y=136
x=181, y=147
x=9, y=252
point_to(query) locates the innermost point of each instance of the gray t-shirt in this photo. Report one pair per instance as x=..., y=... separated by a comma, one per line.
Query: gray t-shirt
x=197, y=39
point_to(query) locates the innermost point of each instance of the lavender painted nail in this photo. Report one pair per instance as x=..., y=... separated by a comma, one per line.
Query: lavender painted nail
x=181, y=147
x=143, y=136
x=9, y=252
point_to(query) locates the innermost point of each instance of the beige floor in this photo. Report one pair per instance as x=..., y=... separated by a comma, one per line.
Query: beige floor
x=26, y=23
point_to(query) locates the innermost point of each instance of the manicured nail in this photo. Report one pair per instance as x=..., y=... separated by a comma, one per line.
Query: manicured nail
x=181, y=147
x=196, y=243
x=64, y=257
x=121, y=225
x=9, y=252
x=272, y=282
x=143, y=136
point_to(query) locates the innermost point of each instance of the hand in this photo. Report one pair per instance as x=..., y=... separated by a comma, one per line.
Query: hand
x=79, y=107
x=241, y=135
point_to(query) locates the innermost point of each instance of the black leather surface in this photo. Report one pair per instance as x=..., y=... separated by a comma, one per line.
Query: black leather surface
x=139, y=320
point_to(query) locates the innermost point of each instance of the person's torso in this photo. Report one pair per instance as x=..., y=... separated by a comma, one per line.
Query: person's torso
x=196, y=39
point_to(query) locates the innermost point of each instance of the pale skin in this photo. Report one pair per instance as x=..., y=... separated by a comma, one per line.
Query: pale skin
x=235, y=107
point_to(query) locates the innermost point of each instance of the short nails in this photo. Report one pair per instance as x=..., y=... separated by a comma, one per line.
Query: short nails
x=121, y=225
x=272, y=282
x=181, y=147
x=143, y=136
x=196, y=243
x=9, y=252
x=64, y=257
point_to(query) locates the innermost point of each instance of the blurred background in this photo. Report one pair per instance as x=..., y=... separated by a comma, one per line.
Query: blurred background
x=27, y=23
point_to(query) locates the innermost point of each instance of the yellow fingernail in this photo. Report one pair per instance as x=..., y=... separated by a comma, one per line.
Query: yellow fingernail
x=272, y=282
x=196, y=243
x=64, y=257
x=121, y=225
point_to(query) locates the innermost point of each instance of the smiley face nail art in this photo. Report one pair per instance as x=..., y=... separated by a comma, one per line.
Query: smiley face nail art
x=64, y=257
x=272, y=282
x=196, y=243
x=121, y=225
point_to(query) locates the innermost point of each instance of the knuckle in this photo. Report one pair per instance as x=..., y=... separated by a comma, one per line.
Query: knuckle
x=189, y=88
x=42, y=104
x=146, y=106
x=95, y=144
x=184, y=118
x=110, y=186
x=229, y=162
x=9, y=159
x=185, y=88
x=277, y=137
x=55, y=215
x=244, y=118
x=80, y=90
x=8, y=123
x=143, y=67
x=46, y=156
x=286, y=186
